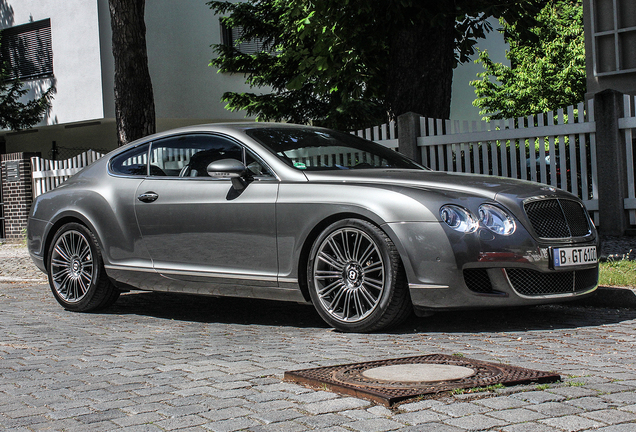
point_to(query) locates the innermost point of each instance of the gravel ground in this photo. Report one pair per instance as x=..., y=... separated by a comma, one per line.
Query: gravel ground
x=16, y=265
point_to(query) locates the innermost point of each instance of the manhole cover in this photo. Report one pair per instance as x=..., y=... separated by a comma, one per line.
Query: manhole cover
x=390, y=381
x=418, y=373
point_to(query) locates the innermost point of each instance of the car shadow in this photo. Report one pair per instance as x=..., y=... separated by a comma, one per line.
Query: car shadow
x=531, y=318
x=227, y=310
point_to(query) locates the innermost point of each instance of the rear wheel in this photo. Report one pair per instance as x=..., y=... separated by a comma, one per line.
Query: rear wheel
x=76, y=270
x=356, y=280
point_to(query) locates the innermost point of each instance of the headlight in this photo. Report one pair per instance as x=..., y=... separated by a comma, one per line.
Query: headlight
x=458, y=218
x=496, y=220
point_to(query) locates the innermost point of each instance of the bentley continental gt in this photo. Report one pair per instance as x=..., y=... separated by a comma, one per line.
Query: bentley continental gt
x=305, y=214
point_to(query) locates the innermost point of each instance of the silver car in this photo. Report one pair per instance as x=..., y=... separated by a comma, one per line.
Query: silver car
x=305, y=214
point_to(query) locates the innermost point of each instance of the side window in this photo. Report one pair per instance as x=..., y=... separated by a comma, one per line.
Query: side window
x=190, y=155
x=131, y=162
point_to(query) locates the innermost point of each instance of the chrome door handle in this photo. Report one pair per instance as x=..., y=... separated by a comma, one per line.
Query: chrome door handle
x=148, y=197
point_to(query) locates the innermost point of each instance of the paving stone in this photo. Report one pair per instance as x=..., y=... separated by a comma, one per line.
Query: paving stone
x=432, y=427
x=517, y=415
x=231, y=424
x=572, y=423
x=277, y=416
x=589, y=403
x=611, y=416
x=323, y=421
x=630, y=408
x=617, y=428
x=538, y=397
x=459, y=409
x=622, y=397
x=501, y=402
x=475, y=422
x=554, y=409
x=529, y=427
x=375, y=425
x=288, y=426
x=334, y=405
x=226, y=413
x=181, y=422
x=139, y=419
x=419, y=417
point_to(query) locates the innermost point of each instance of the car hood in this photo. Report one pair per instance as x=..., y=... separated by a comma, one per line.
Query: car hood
x=490, y=187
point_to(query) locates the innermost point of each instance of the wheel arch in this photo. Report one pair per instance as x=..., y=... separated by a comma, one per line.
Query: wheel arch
x=303, y=258
x=59, y=223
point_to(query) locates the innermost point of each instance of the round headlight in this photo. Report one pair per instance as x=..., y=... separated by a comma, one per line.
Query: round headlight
x=458, y=218
x=496, y=220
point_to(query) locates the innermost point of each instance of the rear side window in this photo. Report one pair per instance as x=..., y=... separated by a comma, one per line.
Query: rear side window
x=131, y=162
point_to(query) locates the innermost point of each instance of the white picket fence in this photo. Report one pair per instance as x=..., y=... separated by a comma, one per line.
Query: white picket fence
x=48, y=174
x=385, y=134
x=558, y=149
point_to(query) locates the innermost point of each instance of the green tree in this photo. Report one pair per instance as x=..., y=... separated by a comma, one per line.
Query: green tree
x=348, y=64
x=545, y=73
x=16, y=114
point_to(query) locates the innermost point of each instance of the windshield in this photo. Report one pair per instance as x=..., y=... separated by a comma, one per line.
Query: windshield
x=322, y=150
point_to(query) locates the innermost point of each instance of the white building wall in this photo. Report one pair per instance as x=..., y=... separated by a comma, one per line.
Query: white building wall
x=76, y=61
x=178, y=36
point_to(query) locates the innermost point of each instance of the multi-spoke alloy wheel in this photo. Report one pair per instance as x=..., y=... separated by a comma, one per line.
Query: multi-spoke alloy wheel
x=76, y=271
x=355, y=277
x=72, y=266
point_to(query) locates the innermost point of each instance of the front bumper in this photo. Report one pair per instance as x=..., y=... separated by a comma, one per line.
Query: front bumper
x=451, y=270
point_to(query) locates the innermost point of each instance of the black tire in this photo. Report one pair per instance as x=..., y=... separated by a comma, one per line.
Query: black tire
x=76, y=271
x=356, y=279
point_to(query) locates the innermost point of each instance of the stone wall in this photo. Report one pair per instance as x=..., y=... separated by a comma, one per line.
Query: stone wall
x=17, y=193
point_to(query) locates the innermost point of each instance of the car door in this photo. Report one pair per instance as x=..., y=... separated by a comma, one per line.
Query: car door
x=200, y=228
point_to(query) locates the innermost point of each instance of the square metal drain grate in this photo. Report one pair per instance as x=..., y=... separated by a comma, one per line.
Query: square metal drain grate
x=390, y=381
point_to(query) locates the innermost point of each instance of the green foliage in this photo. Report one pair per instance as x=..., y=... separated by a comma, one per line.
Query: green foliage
x=546, y=73
x=329, y=62
x=15, y=114
x=617, y=273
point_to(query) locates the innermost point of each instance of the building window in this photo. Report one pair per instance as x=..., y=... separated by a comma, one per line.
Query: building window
x=27, y=50
x=614, y=36
x=231, y=37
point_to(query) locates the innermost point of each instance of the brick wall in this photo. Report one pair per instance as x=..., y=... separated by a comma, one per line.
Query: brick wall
x=17, y=195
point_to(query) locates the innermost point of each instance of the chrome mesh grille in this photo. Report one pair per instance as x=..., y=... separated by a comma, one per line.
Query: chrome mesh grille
x=558, y=218
x=535, y=283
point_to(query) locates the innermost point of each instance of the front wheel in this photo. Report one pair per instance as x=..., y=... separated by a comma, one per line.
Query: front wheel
x=356, y=280
x=76, y=270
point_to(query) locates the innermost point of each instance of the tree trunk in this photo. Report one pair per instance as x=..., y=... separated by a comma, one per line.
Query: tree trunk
x=134, y=100
x=421, y=69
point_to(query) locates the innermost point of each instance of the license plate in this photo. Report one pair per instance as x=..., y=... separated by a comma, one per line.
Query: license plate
x=573, y=256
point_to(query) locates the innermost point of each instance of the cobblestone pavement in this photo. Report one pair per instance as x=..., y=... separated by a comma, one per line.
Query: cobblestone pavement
x=157, y=362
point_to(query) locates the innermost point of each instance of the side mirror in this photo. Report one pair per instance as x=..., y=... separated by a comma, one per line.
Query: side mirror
x=232, y=168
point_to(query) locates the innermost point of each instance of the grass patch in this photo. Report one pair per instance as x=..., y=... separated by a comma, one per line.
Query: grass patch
x=477, y=389
x=617, y=273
